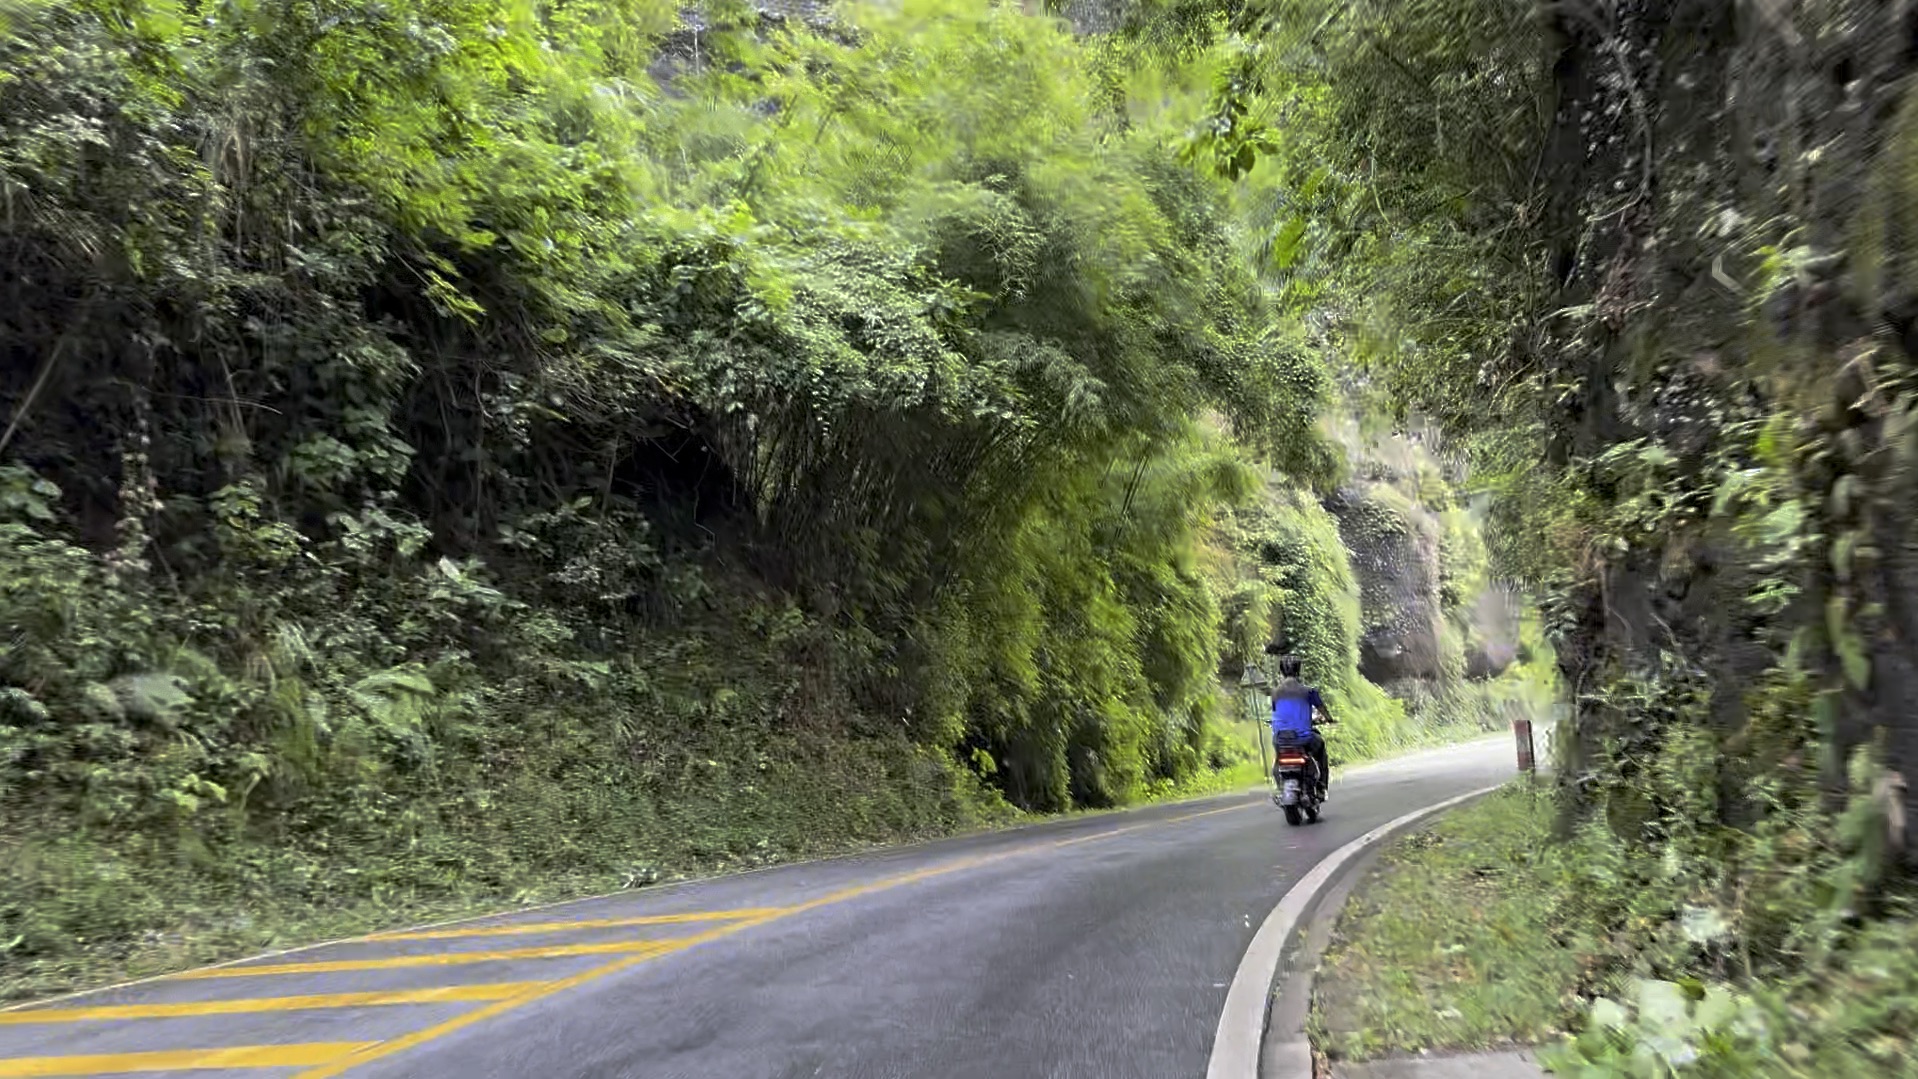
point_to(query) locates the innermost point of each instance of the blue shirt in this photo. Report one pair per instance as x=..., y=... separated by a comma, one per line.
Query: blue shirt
x=1292, y=707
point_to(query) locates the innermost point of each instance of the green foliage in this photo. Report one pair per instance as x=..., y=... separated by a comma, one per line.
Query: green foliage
x=1297, y=588
x=1094, y=674
x=1852, y=1020
x=1454, y=941
x=1668, y=372
x=457, y=451
x=1484, y=929
x=1666, y=1030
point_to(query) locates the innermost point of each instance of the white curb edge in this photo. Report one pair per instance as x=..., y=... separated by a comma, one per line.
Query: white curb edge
x=1241, y=1033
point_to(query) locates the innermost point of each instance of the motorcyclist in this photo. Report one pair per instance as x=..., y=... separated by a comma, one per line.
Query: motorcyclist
x=1293, y=705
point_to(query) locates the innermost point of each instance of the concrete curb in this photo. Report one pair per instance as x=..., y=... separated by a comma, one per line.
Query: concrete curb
x=1289, y=1006
x=1237, y=1046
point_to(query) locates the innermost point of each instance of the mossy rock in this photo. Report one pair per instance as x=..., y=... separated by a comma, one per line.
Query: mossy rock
x=1396, y=558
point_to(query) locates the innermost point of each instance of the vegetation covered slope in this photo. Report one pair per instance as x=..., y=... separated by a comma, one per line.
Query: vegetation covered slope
x=456, y=451
x=1648, y=262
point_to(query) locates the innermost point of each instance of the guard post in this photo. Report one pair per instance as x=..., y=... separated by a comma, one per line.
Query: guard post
x=1522, y=733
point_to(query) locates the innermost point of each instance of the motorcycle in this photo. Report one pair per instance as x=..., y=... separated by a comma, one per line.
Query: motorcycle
x=1296, y=774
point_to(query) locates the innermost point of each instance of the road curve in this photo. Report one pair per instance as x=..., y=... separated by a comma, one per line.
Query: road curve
x=1094, y=947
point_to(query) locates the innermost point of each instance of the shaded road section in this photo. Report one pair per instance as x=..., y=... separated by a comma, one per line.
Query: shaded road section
x=1094, y=947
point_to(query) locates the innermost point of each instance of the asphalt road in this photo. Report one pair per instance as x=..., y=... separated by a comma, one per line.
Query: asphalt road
x=1094, y=947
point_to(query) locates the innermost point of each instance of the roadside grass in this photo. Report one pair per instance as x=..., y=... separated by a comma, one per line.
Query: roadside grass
x=1480, y=932
x=1451, y=942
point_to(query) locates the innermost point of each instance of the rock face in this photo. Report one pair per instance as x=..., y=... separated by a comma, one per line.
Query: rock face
x=1430, y=613
x=1395, y=555
x=1493, y=646
x=1791, y=130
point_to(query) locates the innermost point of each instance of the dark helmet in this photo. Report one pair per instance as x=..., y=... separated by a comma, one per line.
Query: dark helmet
x=1289, y=666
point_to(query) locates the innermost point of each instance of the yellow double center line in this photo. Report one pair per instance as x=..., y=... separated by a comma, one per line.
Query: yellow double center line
x=450, y=994
x=166, y=1060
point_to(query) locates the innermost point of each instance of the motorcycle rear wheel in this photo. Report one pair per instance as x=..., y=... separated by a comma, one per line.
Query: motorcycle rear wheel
x=1293, y=816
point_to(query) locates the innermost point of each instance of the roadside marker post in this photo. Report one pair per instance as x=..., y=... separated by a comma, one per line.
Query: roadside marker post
x=1522, y=732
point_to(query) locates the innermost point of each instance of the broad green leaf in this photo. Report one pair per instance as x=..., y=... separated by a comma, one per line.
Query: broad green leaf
x=1285, y=245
